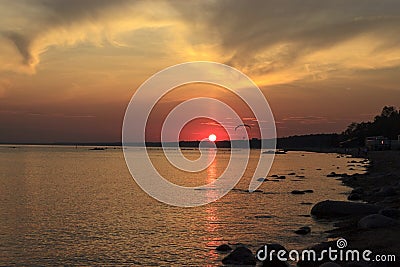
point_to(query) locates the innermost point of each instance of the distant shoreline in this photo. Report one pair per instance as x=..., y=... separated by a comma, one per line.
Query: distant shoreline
x=313, y=143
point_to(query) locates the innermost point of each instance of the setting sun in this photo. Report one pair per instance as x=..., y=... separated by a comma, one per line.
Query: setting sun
x=212, y=137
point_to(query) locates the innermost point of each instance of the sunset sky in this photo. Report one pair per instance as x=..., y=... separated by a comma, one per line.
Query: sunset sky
x=69, y=68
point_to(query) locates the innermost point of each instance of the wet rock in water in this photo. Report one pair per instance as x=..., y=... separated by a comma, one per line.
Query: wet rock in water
x=386, y=191
x=292, y=173
x=263, y=254
x=302, y=192
x=272, y=246
x=356, y=264
x=329, y=264
x=274, y=262
x=255, y=191
x=303, y=230
x=239, y=244
x=354, y=196
x=335, y=175
x=358, y=190
x=318, y=248
x=223, y=248
x=382, y=264
x=391, y=213
x=330, y=208
x=240, y=256
x=268, y=248
x=388, y=200
x=263, y=216
x=376, y=221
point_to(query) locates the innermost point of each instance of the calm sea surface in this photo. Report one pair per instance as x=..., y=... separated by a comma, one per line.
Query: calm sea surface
x=74, y=206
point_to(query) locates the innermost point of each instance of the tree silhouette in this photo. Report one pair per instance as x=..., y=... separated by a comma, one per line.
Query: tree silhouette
x=386, y=124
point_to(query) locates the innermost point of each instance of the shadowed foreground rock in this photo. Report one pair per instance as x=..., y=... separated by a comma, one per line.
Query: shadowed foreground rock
x=303, y=230
x=330, y=208
x=265, y=252
x=376, y=221
x=329, y=264
x=240, y=256
x=223, y=248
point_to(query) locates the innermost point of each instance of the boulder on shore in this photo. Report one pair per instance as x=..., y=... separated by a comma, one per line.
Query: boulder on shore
x=358, y=190
x=354, y=196
x=329, y=264
x=357, y=264
x=330, y=208
x=302, y=192
x=376, y=221
x=240, y=256
x=272, y=246
x=386, y=191
x=223, y=248
x=337, y=175
x=390, y=212
x=274, y=261
x=303, y=230
x=318, y=248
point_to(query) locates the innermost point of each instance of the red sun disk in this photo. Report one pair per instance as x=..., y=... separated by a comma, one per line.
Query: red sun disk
x=212, y=137
x=202, y=128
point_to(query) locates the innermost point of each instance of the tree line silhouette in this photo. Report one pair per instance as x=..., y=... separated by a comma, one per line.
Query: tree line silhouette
x=386, y=124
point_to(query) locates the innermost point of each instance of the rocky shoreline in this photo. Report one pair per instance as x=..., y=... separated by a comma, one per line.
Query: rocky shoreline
x=369, y=220
x=378, y=229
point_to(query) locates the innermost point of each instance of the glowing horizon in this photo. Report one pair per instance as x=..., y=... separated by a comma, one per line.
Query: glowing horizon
x=69, y=68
